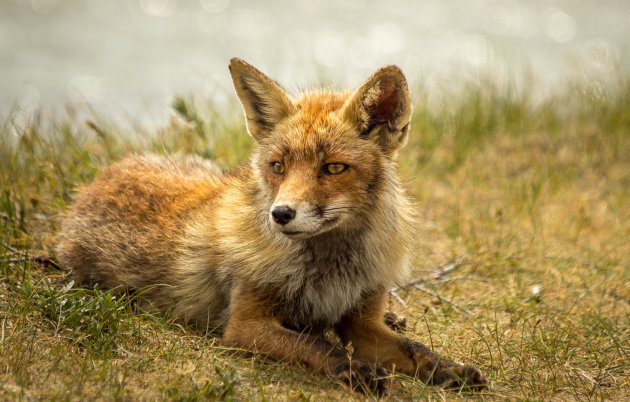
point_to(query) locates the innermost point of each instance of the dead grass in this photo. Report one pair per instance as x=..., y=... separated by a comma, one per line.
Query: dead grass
x=534, y=199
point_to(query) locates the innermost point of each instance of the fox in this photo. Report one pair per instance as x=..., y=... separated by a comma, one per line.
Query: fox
x=301, y=242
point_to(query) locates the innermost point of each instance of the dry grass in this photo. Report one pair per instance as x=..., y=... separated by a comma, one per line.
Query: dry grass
x=535, y=201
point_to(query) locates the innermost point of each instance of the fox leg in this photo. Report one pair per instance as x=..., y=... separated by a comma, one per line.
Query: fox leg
x=252, y=326
x=374, y=341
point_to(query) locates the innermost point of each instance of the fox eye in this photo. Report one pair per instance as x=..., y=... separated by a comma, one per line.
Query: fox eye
x=277, y=167
x=334, y=168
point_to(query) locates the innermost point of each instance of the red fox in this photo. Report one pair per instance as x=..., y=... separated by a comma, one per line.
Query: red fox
x=306, y=238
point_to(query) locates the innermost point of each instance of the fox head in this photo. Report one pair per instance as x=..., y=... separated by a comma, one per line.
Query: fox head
x=324, y=160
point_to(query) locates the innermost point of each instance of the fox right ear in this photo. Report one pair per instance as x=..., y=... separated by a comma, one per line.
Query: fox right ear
x=264, y=102
x=381, y=109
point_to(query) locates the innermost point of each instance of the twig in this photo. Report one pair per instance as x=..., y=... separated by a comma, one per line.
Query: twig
x=438, y=273
x=460, y=278
x=49, y=262
x=448, y=268
x=439, y=276
x=398, y=298
x=407, y=285
x=46, y=261
x=91, y=124
x=583, y=374
x=442, y=298
x=10, y=248
x=126, y=351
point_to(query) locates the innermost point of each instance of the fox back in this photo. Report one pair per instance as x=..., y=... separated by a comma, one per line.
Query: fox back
x=316, y=221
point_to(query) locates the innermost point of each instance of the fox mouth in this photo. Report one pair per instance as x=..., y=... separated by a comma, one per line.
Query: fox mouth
x=291, y=233
x=324, y=226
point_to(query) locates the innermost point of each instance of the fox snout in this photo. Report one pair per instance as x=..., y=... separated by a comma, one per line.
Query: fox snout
x=296, y=219
x=303, y=219
x=292, y=218
x=282, y=214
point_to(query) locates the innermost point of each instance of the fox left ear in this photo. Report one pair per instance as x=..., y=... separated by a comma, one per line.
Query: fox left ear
x=264, y=102
x=381, y=109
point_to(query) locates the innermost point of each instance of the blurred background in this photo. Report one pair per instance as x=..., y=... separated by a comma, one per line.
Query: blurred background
x=128, y=58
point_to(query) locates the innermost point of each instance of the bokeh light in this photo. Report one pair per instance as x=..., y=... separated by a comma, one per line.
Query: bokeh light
x=215, y=6
x=158, y=8
x=43, y=6
x=558, y=25
x=153, y=49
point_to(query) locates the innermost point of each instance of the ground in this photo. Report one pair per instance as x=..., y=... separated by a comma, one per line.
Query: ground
x=526, y=201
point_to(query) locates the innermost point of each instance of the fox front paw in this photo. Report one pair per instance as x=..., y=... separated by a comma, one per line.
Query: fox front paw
x=463, y=378
x=436, y=370
x=395, y=322
x=362, y=376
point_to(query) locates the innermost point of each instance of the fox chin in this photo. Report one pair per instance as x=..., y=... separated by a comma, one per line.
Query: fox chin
x=305, y=238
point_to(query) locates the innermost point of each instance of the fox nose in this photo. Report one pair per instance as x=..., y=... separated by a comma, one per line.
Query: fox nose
x=283, y=214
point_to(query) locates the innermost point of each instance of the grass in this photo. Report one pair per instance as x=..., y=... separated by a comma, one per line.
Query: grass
x=532, y=196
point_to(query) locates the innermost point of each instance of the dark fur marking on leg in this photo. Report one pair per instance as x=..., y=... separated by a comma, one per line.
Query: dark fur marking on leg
x=362, y=376
x=395, y=322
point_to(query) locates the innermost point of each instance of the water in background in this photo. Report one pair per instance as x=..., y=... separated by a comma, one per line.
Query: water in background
x=126, y=59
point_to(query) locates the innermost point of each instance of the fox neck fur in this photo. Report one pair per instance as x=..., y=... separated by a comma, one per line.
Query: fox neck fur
x=314, y=281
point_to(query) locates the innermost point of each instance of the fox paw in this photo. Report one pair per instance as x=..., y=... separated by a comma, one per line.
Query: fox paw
x=436, y=370
x=463, y=378
x=363, y=377
x=395, y=322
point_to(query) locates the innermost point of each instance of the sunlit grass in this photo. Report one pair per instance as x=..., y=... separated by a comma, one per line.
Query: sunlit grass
x=532, y=195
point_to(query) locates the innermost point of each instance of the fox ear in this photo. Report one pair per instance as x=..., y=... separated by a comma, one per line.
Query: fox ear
x=264, y=102
x=381, y=109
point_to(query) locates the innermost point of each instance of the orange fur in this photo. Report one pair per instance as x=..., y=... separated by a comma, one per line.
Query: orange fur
x=307, y=238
